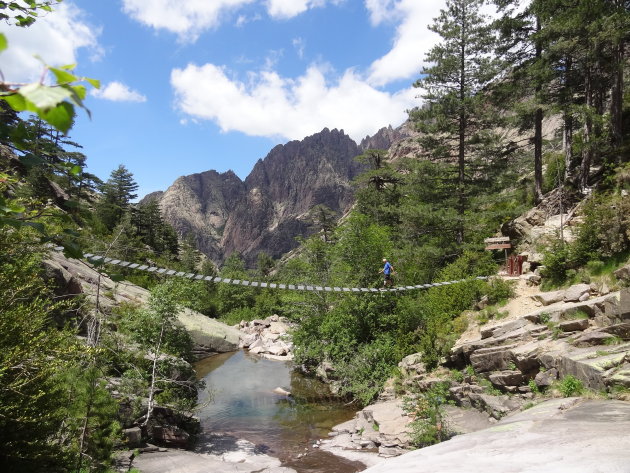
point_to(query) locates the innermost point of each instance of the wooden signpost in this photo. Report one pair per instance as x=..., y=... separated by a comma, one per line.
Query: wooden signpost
x=499, y=243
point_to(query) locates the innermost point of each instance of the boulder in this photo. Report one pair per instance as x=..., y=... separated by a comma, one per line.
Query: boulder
x=133, y=437
x=462, y=421
x=279, y=328
x=553, y=437
x=277, y=350
x=544, y=379
x=588, y=339
x=506, y=378
x=492, y=358
x=623, y=273
x=624, y=304
x=170, y=436
x=496, y=406
x=575, y=292
x=595, y=367
x=209, y=335
x=621, y=330
x=412, y=365
x=548, y=298
x=574, y=325
x=260, y=323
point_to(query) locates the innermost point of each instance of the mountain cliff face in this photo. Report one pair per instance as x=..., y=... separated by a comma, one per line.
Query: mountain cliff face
x=268, y=210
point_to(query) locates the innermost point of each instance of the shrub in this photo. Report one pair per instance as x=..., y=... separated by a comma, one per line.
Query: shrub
x=363, y=376
x=570, y=386
x=427, y=409
x=499, y=290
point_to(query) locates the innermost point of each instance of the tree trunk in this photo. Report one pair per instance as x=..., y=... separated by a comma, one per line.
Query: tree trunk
x=461, y=160
x=587, y=152
x=567, y=136
x=538, y=118
x=616, y=102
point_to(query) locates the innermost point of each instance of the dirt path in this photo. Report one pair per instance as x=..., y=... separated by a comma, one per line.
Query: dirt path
x=521, y=304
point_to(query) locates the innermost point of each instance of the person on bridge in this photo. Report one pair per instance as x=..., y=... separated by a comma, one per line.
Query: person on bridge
x=387, y=271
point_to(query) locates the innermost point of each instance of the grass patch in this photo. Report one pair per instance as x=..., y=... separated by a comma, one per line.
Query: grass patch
x=578, y=315
x=490, y=313
x=613, y=340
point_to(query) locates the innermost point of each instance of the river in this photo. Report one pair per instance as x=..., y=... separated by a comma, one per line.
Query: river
x=239, y=401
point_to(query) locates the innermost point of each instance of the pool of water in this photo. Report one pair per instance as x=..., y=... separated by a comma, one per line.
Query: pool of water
x=239, y=400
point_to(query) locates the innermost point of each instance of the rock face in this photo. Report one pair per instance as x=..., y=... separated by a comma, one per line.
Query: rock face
x=588, y=339
x=268, y=210
x=73, y=277
x=556, y=436
x=271, y=207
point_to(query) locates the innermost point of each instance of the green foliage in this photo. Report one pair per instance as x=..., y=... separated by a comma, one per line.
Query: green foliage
x=429, y=425
x=116, y=196
x=229, y=297
x=363, y=375
x=570, y=386
x=144, y=325
x=533, y=386
x=603, y=234
x=554, y=171
x=32, y=354
x=91, y=418
x=490, y=313
x=152, y=230
x=499, y=291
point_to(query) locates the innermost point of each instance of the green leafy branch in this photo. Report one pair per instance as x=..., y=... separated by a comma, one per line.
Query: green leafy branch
x=24, y=15
x=55, y=104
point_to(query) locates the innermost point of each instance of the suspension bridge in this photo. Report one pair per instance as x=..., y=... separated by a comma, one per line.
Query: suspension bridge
x=99, y=259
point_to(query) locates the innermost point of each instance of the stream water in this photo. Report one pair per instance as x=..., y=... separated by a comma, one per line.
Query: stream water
x=239, y=401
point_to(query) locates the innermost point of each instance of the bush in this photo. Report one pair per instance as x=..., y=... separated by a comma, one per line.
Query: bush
x=235, y=316
x=570, y=386
x=363, y=376
x=499, y=290
x=429, y=425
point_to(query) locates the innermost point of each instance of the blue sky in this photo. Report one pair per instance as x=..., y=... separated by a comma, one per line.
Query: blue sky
x=193, y=85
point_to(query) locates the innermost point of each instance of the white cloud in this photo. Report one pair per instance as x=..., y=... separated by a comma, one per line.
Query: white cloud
x=242, y=20
x=412, y=40
x=269, y=105
x=299, y=45
x=118, y=92
x=55, y=37
x=382, y=10
x=187, y=18
x=287, y=8
x=284, y=9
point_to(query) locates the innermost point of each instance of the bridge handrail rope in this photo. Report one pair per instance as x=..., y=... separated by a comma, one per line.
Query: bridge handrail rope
x=242, y=282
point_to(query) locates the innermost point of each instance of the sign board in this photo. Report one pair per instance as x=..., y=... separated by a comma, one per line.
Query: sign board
x=498, y=246
x=497, y=240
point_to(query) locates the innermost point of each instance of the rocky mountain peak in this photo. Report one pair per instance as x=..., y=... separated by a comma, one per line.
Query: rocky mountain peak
x=267, y=210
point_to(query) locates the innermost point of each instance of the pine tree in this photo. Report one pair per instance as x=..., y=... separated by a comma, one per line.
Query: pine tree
x=456, y=117
x=153, y=230
x=117, y=194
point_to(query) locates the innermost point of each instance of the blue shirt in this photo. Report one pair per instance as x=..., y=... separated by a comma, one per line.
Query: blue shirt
x=388, y=268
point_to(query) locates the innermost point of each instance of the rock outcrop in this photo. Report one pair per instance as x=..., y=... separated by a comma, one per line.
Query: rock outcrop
x=74, y=277
x=570, y=335
x=559, y=435
x=268, y=338
x=271, y=207
x=504, y=370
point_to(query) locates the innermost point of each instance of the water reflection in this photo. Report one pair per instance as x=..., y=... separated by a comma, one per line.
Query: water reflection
x=245, y=406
